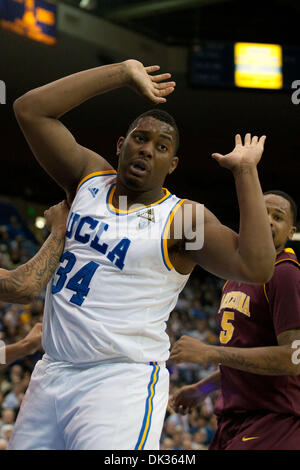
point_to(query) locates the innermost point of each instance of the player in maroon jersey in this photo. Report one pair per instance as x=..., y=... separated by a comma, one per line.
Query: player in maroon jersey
x=259, y=374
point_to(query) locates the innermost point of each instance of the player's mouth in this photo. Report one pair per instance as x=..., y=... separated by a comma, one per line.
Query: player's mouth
x=139, y=167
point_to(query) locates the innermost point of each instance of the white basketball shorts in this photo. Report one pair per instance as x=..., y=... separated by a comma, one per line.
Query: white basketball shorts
x=117, y=406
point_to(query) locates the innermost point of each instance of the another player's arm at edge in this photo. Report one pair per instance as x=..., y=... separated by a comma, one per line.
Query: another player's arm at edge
x=53, y=145
x=24, y=283
x=191, y=396
x=268, y=360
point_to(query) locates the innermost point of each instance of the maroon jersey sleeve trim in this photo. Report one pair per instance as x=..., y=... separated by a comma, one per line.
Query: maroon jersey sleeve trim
x=265, y=292
x=289, y=260
x=225, y=285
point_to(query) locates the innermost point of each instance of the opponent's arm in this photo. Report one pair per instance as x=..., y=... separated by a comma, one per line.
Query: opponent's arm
x=248, y=256
x=24, y=283
x=191, y=396
x=39, y=110
x=26, y=346
x=269, y=360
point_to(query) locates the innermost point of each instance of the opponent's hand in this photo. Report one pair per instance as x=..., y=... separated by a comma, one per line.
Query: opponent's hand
x=187, y=398
x=154, y=88
x=188, y=349
x=33, y=340
x=243, y=155
x=56, y=218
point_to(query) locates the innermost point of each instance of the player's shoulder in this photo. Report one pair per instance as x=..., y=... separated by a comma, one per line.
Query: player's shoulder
x=286, y=257
x=192, y=206
x=99, y=177
x=286, y=272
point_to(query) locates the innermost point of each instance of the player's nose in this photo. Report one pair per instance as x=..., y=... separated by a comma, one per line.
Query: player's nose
x=270, y=220
x=147, y=150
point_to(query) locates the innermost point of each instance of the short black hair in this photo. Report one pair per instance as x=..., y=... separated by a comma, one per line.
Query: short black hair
x=160, y=115
x=286, y=196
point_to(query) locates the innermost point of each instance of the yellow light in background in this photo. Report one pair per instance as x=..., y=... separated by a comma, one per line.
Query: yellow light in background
x=40, y=222
x=45, y=16
x=258, y=65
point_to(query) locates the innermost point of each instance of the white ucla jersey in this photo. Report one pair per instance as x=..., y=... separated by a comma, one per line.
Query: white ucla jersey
x=115, y=287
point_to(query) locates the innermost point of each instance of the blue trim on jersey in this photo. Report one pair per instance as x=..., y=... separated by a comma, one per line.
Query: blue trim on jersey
x=162, y=239
x=96, y=176
x=149, y=404
x=134, y=211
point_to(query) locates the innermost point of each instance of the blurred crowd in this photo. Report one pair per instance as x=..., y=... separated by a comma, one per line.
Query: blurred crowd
x=195, y=315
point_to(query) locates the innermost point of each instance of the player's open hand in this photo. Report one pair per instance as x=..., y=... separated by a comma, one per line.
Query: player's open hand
x=154, y=88
x=244, y=155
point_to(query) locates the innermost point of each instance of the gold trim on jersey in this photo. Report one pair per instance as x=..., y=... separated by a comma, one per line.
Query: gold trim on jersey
x=287, y=259
x=289, y=250
x=265, y=292
x=166, y=230
x=225, y=285
x=96, y=173
x=130, y=211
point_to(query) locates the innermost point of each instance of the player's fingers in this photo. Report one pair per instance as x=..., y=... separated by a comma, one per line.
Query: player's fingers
x=254, y=140
x=165, y=92
x=162, y=86
x=161, y=77
x=152, y=68
x=159, y=100
x=238, y=139
x=247, y=139
x=262, y=140
x=217, y=156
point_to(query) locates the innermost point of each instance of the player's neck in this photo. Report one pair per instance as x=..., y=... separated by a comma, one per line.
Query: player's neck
x=144, y=198
x=279, y=249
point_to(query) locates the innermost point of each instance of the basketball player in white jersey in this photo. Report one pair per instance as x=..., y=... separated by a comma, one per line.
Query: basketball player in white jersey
x=102, y=383
x=23, y=284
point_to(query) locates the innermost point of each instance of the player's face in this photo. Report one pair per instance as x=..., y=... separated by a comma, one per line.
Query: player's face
x=281, y=219
x=146, y=155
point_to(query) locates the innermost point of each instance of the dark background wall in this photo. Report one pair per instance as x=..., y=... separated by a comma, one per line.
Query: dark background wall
x=207, y=118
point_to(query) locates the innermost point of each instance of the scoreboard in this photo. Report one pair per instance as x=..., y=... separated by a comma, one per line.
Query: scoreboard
x=35, y=19
x=244, y=65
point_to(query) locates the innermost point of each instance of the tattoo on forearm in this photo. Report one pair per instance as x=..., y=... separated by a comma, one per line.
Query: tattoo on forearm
x=273, y=360
x=28, y=280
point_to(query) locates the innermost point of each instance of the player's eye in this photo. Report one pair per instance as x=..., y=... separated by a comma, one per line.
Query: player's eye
x=163, y=147
x=139, y=138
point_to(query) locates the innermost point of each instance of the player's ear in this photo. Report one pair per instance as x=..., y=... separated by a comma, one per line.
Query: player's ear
x=291, y=232
x=174, y=164
x=119, y=144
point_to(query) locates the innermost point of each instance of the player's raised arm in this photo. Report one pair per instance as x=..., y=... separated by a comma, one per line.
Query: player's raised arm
x=21, y=285
x=248, y=256
x=39, y=110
